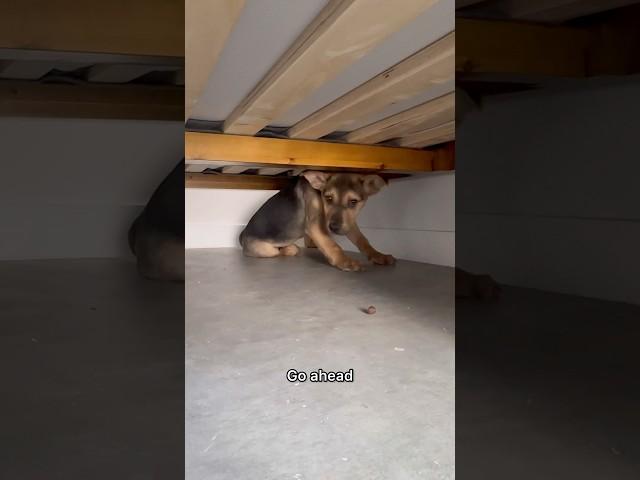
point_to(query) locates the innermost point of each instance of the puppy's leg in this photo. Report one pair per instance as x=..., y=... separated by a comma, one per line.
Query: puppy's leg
x=359, y=240
x=332, y=251
x=308, y=243
x=259, y=248
x=290, y=250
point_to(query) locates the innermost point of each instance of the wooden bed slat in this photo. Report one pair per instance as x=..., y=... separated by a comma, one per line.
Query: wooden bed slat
x=558, y=10
x=203, y=147
x=141, y=27
x=234, y=169
x=123, y=73
x=432, y=136
x=250, y=182
x=136, y=102
x=343, y=32
x=427, y=115
x=209, y=23
x=487, y=46
x=433, y=65
x=272, y=171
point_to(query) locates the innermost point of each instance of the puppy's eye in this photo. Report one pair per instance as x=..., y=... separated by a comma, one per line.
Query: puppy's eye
x=353, y=202
x=328, y=198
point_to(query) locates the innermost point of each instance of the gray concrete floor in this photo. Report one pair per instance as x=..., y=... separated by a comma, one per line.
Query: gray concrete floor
x=547, y=388
x=92, y=369
x=250, y=320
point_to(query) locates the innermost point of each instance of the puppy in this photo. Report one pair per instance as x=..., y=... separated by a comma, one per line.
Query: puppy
x=317, y=205
x=156, y=237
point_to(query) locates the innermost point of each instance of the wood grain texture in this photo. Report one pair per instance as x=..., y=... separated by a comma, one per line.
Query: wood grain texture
x=342, y=33
x=558, y=10
x=136, y=102
x=426, y=115
x=141, y=27
x=202, y=147
x=250, y=182
x=430, y=66
x=431, y=136
x=485, y=46
x=208, y=24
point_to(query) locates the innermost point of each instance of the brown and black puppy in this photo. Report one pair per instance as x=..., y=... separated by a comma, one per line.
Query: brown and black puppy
x=156, y=237
x=318, y=205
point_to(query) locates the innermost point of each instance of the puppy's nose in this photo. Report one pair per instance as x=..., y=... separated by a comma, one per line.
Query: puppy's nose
x=334, y=227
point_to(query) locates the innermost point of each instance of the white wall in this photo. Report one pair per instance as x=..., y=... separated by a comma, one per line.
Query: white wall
x=548, y=190
x=412, y=219
x=70, y=188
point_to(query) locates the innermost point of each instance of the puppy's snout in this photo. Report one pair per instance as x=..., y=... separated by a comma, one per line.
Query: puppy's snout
x=334, y=226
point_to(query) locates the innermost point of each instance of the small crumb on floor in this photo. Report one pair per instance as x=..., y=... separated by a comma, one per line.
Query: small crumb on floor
x=345, y=459
x=398, y=349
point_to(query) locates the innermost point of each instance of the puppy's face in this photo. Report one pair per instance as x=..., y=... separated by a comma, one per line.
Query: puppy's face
x=343, y=196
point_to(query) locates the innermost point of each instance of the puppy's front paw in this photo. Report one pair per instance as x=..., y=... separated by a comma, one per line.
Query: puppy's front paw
x=382, y=259
x=347, y=264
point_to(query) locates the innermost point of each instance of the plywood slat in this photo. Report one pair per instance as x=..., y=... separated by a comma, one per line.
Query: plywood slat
x=202, y=147
x=122, y=73
x=209, y=24
x=272, y=171
x=234, y=169
x=343, y=32
x=433, y=65
x=432, y=136
x=558, y=10
x=429, y=114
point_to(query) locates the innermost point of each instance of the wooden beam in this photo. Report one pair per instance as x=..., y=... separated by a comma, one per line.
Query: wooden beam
x=426, y=115
x=203, y=147
x=466, y=3
x=558, y=10
x=209, y=23
x=445, y=157
x=431, y=136
x=141, y=27
x=430, y=66
x=343, y=32
x=137, y=102
x=485, y=46
x=251, y=182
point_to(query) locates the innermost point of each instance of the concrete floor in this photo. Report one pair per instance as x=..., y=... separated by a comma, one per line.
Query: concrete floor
x=248, y=321
x=92, y=369
x=547, y=388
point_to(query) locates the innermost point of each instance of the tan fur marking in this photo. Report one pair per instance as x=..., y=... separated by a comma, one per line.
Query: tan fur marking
x=359, y=240
x=261, y=249
x=289, y=251
x=331, y=250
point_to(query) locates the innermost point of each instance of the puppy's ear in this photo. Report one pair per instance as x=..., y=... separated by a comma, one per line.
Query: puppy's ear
x=317, y=179
x=373, y=184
